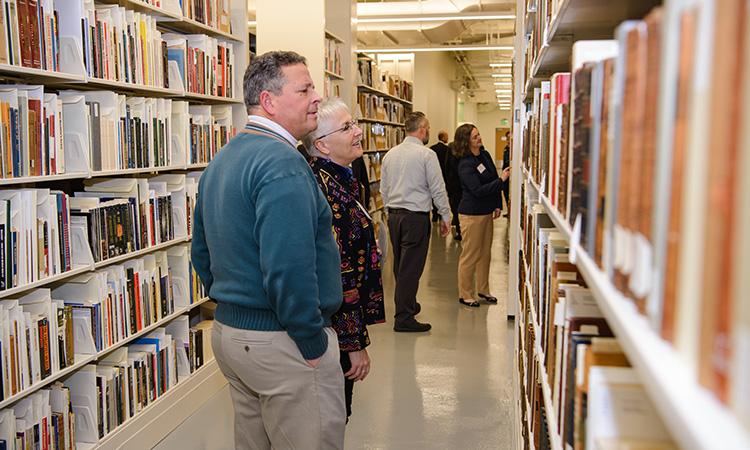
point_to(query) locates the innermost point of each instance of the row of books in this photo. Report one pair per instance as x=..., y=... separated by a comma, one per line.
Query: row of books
x=106, y=394
x=214, y=13
x=373, y=163
x=120, y=45
x=29, y=33
x=376, y=198
x=43, y=420
x=45, y=233
x=620, y=165
x=545, y=11
x=123, y=215
x=331, y=87
x=376, y=136
x=112, y=43
x=597, y=400
x=373, y=106
x=47, y=330
x=332, y=55
x=200, y=64
x=45, y=133
x=368, y=73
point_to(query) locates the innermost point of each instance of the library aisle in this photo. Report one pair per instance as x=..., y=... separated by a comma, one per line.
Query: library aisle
x=451, y=388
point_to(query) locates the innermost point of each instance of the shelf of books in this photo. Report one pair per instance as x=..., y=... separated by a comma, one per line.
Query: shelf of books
x=333, y=75
x=383, y=102
x=554, y=25
x=107, y=115
x=634, y=301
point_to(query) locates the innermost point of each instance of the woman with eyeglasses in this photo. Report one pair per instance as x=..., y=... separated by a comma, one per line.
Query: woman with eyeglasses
x=332, y=147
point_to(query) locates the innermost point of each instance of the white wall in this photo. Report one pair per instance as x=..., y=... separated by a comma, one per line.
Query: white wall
x=433, y=95
x=487, y=121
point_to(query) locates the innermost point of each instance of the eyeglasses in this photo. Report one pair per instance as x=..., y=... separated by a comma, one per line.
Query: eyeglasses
x=348, y=126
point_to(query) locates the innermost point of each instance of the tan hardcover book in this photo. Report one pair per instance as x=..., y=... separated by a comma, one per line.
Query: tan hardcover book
x=619, y=408
x=634, y=103
x=739, y=387
x=601, y=352
x=688, y=27
x=727, y=89
x=648, y=163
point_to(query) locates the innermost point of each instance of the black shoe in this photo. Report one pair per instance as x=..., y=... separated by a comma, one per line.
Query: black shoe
x=473, y=303
x=457, y=237
x=412, y=327
x=418, y=309
x=487, y=298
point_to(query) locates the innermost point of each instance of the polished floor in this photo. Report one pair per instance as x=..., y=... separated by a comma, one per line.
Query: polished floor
x=450, y=388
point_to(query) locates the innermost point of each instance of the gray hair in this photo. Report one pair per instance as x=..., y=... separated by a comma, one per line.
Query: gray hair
x=327, y=111
x=414, y=120
x=264, y=74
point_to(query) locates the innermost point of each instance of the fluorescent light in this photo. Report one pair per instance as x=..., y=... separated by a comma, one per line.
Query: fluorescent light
x=442, y=48
x=433, y=17
x=501, y=64
x=252, y=23
x=502, y=75
x=503, y=83
x=503, y=91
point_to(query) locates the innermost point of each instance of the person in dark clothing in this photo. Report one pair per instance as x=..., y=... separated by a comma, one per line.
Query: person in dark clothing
x=441, y=149
x=453, y=186
x=360, y=173
x=480, y=205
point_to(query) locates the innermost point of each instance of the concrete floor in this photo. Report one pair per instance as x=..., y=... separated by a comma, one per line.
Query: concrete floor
x=450, y=388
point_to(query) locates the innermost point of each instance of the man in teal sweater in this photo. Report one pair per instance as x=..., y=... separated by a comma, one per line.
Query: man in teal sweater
x=264, y=250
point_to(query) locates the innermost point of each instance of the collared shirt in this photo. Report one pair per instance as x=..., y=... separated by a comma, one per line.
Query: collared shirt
x=411, y=179
x=268, y=123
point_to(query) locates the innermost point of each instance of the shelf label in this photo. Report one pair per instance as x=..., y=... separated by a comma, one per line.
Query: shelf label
x=575, y=238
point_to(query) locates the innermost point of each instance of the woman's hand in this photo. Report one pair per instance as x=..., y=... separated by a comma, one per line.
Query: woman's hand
x=360, y=365
x=496, y=213
x=505, y=174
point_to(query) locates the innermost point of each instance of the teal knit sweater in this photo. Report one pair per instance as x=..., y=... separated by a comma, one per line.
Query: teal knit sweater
x=262, y=242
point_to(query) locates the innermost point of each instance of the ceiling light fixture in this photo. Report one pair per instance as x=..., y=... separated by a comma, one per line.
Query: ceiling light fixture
x=433, y=18
x=443, y=48
x=501, y=64
x=503, y=83
x=502, y=75
x=252, y=23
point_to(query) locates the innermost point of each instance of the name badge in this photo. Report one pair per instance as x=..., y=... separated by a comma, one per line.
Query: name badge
x=481, y=168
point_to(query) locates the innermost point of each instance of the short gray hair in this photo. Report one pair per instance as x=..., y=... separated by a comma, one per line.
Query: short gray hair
x=414, y=120
x=264, y=74
x=327, y=111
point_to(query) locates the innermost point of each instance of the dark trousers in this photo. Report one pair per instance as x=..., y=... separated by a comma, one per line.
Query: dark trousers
x=454, y=201
x=410, y=239
x=346, y=365
x=506, y=193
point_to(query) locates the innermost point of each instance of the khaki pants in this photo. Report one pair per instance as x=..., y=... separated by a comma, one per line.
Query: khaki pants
x=476, y=250
x=281, y=402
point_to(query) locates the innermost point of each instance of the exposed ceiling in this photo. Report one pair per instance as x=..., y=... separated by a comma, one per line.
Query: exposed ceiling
x=474, y=76
x=415, y=26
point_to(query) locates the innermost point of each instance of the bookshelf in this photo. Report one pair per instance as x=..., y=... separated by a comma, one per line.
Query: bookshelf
x=147, y=135
x=674, y=370
x=381, y=114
